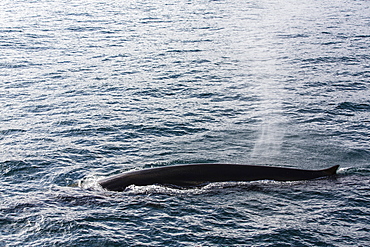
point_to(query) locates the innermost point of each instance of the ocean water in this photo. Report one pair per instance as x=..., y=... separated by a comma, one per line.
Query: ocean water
x=93, y=88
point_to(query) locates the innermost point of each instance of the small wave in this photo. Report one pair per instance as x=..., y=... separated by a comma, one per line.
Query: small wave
x=327, y=59
x=10, y=168
x=89, y=183
x=365, y=170
x=11, y=131
x=184, y=51
x=351, y=106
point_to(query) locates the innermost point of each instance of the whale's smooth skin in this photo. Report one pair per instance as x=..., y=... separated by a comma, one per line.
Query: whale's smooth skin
x=199, y=174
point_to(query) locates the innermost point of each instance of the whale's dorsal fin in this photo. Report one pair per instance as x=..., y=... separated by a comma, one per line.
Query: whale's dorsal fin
x=331, y=171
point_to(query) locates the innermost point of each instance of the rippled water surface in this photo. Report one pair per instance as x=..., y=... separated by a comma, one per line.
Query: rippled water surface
x=93, y=88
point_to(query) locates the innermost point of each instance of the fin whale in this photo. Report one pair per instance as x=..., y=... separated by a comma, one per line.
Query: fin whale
x=199, y=174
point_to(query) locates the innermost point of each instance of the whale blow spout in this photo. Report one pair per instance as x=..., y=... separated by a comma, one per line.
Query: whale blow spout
x=198, y=174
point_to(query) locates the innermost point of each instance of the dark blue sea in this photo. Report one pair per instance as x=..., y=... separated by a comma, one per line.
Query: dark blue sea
x=93, y=88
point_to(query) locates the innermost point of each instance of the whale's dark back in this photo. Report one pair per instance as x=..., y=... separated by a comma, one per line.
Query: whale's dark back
x=197, y=174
